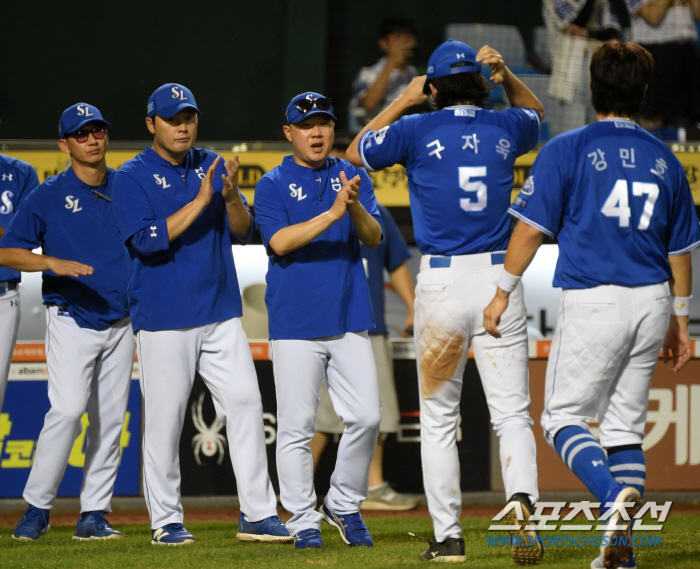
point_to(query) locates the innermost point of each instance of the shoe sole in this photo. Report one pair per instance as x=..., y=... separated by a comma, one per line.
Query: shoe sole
x=24, y=538
x=530, y=550
x=614, y=556
x=265, y=538
x=384, y=506
x=95, y=538
x=185, y=542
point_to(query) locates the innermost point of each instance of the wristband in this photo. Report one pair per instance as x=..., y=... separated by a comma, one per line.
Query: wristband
x=506, y=281
x=681, y=305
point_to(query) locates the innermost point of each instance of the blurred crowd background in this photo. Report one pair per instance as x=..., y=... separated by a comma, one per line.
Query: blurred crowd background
x=245, y=59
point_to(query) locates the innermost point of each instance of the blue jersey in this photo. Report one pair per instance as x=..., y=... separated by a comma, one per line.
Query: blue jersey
x=390, y=254
x=191, y=281
x=69, y=222
x=618, y=201
x=17, y=179
x=459, y=163
x=320, y=289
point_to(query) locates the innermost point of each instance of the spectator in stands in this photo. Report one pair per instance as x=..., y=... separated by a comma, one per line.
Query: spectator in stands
x=666, y=28
x=575, y=29
x=376, y=86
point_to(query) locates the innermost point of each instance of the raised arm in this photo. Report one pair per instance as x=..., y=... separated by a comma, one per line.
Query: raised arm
x=654, y=12
x=412, y=95
x=517, y=92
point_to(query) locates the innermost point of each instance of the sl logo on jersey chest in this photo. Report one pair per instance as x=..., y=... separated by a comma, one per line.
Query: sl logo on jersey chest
x=297, y=192
x=72, y=204
x=6, y=198
x=160, y=180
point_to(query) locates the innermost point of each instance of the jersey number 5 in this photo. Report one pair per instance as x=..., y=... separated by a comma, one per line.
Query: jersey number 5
x=465, y=174
x=617, y=204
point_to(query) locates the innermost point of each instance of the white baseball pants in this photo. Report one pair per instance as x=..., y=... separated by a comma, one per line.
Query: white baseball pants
x=347, y=364
x=221, y=355
x=603, y=356
x=86, y=368
x=9, y=325
x=450, y=301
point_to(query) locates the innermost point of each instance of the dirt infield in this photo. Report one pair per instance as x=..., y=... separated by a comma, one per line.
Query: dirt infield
x=225, y=514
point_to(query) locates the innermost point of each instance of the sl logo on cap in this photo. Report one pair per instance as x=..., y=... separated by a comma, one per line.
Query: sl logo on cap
x=84, y=110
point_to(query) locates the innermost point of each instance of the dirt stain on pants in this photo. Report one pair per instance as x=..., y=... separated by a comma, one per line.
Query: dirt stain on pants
x=438, y=362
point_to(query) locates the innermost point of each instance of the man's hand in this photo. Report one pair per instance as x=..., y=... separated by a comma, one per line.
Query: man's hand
x=494, y=311
x=203, y=198
x=68, y=268
x=230, y=191
x=491, y=57
x=400, y=50
x=351, y=196
x=576, y=31
x=347, y=197
x=413, y=94
x=677, y=342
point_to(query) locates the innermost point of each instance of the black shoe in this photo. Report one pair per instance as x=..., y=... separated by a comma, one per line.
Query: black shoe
x=527, y=547
x=450, y=550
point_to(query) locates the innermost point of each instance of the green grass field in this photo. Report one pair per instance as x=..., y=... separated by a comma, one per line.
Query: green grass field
x=217, y=547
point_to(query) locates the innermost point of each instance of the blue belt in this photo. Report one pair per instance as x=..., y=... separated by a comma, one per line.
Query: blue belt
x=445, y=262
x=7, y=285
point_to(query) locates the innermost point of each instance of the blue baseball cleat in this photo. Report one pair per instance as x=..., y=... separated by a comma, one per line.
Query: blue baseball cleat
x=617, y=548
x=270, y=529
x=171, y=534
x=93, y=525
x=308, y=538
x=352, y=527
x=34, y=524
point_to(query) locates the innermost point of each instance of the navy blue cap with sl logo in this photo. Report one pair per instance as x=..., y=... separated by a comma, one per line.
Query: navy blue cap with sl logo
x=294, y=115
x=169, y=99
x=77, y=116
x=449, y=58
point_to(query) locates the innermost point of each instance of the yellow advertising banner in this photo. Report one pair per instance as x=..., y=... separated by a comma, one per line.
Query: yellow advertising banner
x=390, y=185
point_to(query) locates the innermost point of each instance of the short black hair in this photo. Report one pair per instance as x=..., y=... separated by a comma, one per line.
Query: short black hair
x=469, y=86
x=620, y=72
x=396, y=25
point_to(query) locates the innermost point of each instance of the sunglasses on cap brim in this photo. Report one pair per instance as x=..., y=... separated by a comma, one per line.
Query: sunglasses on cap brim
x=322, y=104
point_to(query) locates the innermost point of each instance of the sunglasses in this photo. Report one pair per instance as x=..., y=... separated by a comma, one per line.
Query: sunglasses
x=322, y=104
x=98, y=132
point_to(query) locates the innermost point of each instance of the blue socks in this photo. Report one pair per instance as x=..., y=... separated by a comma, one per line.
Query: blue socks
x=628, y=466
x=582, y=453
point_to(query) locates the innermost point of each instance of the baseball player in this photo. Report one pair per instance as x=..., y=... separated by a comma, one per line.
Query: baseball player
x=391, y=254
x=313, y=211
x=459, y=162
x=89, y=345
x=618, y=201
x=178, y=209
x=17, y=179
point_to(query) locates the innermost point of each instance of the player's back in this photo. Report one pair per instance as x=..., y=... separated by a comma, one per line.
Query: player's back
x=459, y=163
x=617, y=199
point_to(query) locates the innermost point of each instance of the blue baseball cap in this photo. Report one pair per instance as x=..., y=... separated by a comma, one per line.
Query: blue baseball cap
x=450, y=58
x=77, y=116
x=294, y=115
x=169, y=99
